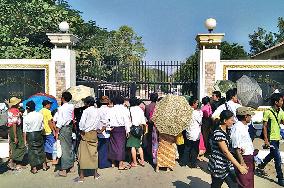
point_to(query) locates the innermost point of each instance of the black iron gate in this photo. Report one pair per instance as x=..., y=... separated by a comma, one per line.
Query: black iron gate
x=139, y=78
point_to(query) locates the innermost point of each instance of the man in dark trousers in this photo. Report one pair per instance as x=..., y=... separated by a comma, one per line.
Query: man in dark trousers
x=272, y=118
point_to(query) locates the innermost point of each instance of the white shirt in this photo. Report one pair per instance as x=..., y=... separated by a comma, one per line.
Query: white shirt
x=90, y=119
x=138, y=117
x=241, y=139
x=64, y=115
x=119, y=117
x=232, y=106
x=103, y=111
x=33, y=122
x=194, y=127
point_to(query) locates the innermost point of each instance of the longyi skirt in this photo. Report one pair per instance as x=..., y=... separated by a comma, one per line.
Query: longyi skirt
x=133, y=142
x=35, y=148
x=49, y=141
x=87, y=151
x=116, y=149
x=166, y=155
x=103, y=153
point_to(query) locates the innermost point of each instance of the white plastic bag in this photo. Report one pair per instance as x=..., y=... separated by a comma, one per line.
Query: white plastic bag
x=59, y=150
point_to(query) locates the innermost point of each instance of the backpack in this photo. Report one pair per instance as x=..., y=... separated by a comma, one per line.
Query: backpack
x=3, y=114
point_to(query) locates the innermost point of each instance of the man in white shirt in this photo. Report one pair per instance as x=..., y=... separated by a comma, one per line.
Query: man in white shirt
x=103, y=138
x=243, y=145
x=119, y=120
x=64, y=125
x=89, y=126
x=32, y=128
x=231, y=104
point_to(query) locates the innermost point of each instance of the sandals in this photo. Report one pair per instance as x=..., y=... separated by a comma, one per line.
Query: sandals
x=79, y=180
x=133, y=165
x=124, y=168
x=61, y=175
x=34, y=171
x=141, y=163
x=46, y=169
x=97, y=177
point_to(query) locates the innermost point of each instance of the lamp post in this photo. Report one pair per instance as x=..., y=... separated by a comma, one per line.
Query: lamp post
x=64, y=27
x=210, y=24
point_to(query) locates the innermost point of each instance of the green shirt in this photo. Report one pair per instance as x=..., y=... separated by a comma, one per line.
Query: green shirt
x=274, y=126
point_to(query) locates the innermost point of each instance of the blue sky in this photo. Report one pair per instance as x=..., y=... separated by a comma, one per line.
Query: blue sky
x=169, y=27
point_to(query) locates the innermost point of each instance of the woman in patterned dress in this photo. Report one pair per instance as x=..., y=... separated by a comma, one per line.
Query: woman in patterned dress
x=166, y=154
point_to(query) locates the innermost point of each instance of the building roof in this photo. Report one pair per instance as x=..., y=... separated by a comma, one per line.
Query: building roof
x=270, y=50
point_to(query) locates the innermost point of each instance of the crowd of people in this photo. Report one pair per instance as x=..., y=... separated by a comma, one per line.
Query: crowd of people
x=120, y=133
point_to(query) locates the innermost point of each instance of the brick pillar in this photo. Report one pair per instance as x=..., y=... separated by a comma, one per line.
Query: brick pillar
x=60, y=78
x=209, y=57
x=210, y=68
x=63, y=62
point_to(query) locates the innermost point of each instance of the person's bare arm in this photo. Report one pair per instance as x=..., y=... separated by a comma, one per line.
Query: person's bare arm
x=52, y=125
x=240, y=156
x=15, y=133
x=101, y=130
x=265, y=132
x=225, y=150
x=25, y=138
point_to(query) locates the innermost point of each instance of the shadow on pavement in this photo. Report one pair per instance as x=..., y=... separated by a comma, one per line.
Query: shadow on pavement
x=194, y=182
x=3, y=167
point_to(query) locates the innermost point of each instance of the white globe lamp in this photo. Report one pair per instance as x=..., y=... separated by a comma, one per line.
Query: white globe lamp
x=64, y=26
x=210, y=24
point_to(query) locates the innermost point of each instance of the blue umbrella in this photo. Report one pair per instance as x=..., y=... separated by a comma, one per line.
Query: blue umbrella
x=39, y=98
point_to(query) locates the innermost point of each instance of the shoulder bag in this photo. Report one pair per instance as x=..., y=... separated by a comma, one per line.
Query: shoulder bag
x=136, y=131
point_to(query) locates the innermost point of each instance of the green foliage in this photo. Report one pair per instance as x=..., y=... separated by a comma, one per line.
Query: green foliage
x=232, y=51
x=262, y=39
x=24, y=24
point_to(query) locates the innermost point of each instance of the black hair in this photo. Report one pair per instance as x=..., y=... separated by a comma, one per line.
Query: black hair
x=275, y=97
x=241, y=117
x=67, y=96
x=230, y=94
x=154, y=97
x=89, y=101
x=159, y=99
x=192, y=100
x=225, y=115
x=118, y=100
x=217, y=93
x=53, y=112
x=205, y=100
x=133, y=101
x=30, y=106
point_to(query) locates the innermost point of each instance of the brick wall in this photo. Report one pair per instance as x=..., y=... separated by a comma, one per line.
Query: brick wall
x=60, y=78
x=209, y=77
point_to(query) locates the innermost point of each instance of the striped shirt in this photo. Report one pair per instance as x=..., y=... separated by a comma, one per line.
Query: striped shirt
x=219, y=165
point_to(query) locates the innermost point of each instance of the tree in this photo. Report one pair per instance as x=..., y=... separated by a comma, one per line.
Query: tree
x=23, y=25
x=232, y=51
x=23, y=28
x=188, y=71
x=262, y=39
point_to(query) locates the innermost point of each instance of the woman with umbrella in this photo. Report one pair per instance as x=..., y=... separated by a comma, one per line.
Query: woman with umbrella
x=171, y=117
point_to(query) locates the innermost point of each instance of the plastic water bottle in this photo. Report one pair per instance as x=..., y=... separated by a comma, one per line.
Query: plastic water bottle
x=54, y=151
